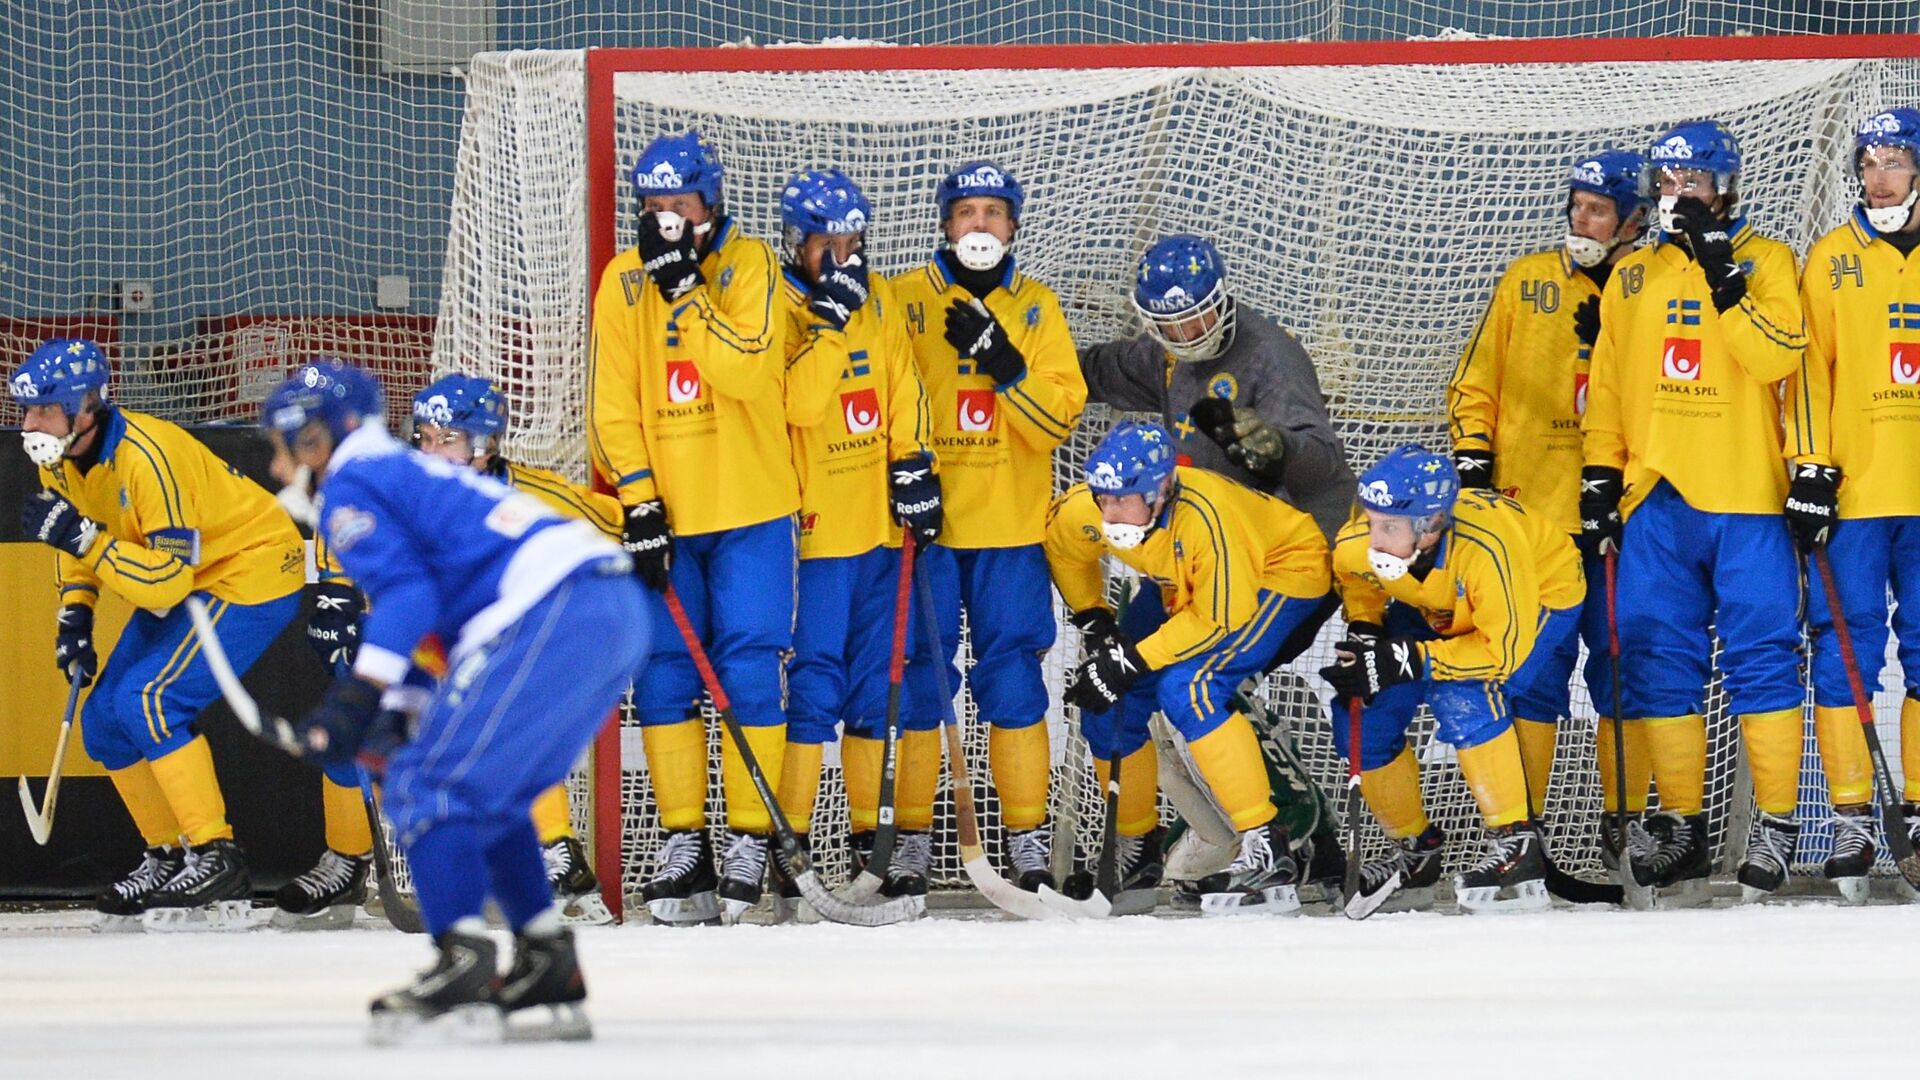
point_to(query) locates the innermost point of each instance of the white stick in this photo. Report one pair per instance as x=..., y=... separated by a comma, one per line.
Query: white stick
x=40, y=818
x=245, y=709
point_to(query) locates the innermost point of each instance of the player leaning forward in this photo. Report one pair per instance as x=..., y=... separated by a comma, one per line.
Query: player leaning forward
x=686, y=415
x=1459, y=600
x=1682, y=434
x=1854, y=431
x=439, y=549
x=1004, y=386
x=1236, y=572
x=135, y=505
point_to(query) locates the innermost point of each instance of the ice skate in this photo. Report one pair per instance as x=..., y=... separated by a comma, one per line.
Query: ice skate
x=1675, y=860
x=575, y=888
x=788, y=904
x=742, y=869
x=1263, y=879
x=1141, y=864
x=325, y=897
x=1510, y=878
x=1910, y=814
x=681, y=892
x=1769, y=858
x=121, y=903
x=1030, y=851
x=1853, y=853
x=211, y=892
x=1402, y=880
x=544, y=996
x=907, y=873
x=455, y=1001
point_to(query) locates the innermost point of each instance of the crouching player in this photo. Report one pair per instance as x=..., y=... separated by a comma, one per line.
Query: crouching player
x=442, y=550
x=1237, y=571
x=1450, y=599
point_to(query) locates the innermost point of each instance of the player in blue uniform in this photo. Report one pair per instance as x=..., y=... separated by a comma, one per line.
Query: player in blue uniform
x=548, y=626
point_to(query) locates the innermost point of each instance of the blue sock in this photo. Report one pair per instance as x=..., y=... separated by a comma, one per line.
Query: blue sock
x=517, y=872
x=443, y=860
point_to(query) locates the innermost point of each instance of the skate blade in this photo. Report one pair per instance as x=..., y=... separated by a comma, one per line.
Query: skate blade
x=1907, y=892
x=700, y=909
x=588, y=910
x=1486, y=900
x=1750, y=894
x=337, y=917
x=1854, y=891
x=463, y=1025
x=549, y=1023
x=220, y=917
x=732, y=911
x=1696, y=892
x=1273, y=900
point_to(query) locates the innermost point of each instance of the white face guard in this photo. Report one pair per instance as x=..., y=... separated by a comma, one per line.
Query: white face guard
x=1668, y=222
x=1891, y=219
x=978, y=251
x=1888, y=219
x=1209, y=343
x=673, y=226
x=1124, y=537
x=1388, y=567
x=46, y=450
x=297, y=498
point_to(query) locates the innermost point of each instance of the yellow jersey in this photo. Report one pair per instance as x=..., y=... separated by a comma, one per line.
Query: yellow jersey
x=603, y=512
x=1856, y=401
x=1219, y=545
x=1498, y=571
x=854, y=403
x=995, y=444
x=685, y=399
x=174, y=519
x=1683, y=392
x=1520, y=386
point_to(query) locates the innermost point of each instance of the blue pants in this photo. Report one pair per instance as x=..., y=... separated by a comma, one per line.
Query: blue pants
x=1683, y=571
x=156, y=680
x=1193, y=693
x=738, y=587
x=509, y=720
x=843, y=648
x=1868, y=555
x=1008, y=596
x=1542, y=687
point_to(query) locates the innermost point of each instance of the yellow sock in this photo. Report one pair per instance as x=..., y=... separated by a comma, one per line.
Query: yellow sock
x=1843, y=755
x=1022, y=765
x=677, y=766
x=553, y=814
x=1392, y=792
x=1228, y=758
x=1536, y=754
x=1493, y=773
x=1139, y=790
x=345, y=813
x=1677, y=748
x=800, y=783
x=919, y=779
x=1639, y=765
x=187, y=776
x=746, y=811
x=1773, y=743
x=1910, y=747
x=860, y=766
x=147, y=804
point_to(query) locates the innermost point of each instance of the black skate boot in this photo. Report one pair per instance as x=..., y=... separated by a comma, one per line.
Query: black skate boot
x=575, y=889
x=1910, y=815
x=323, y=898
x=1262, y=880
x=454, y=1001
x=1675, y=860
x=1511, y=877
x=788, y=904
x=1325, y=859
x=742, y=869
x=681, y=892
x=543, y=996
x=1028, y=850
x=121, y=903
x=212, y=891
x=1140, y=862
x=1769, y=856
x=1403, y=879
x=1853, y=852
x=912, y=863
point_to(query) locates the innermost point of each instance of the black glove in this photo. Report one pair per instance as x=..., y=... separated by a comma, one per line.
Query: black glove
x=1105, y=675
x=1250, y=442
x=1713, y=249
x=73, y=642
x=1366, y=667
x=333, y=732
x=1600, y=523
x=1475, y=468
x=333, y=623
x=1366, y=633
x=647, y=540
x=1586, y=321
x=1098, y=627
x=976, y=335
x=1813, y=504
x=674, y=265
x=51, y=519
x=841, y=290
x=391, y=729
x=915, y=493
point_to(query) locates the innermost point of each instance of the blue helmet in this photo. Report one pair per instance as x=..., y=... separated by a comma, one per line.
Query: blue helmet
x=1181, y=278
x=63, y=372
x=466, y=403
x=1703, y=145
x=678, y=165
x=1895, y=127
x=1134, y=459
x=327, y=391
x=980, y=178
x=1410, y=482
x=1612, y=173
x=821, y=201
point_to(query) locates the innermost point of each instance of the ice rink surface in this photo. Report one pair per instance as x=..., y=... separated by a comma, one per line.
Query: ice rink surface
x=1793, y=989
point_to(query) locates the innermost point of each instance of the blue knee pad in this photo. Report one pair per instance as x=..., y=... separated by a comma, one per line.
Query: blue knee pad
x=1467, y=713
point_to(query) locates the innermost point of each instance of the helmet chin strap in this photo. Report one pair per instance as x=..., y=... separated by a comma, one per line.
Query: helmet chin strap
x=1891, y=219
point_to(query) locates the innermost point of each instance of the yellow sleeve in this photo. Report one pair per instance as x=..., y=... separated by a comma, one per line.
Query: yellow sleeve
x=1473, y=393
x=1603, y=439
x=1361, y=597
x=1765, y=332
x=1048, y=399
x=1809, y=393
x=615, y=441
x=153, y=575
x=602, y=511
x=1503, y=593
x=909, y=416
x=1223, y=583
x=78, y=583
x=734, y=333
x=813, y=373
x=325, y=566
x=1073, y=556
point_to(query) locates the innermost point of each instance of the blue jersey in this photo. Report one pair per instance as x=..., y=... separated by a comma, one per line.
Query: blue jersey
x=440, y=549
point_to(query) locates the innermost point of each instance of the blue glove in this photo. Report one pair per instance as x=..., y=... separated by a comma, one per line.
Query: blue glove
x=334, y=732
x=51, y=519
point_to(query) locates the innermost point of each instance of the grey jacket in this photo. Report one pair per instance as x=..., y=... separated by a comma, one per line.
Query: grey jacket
x=1264, y=369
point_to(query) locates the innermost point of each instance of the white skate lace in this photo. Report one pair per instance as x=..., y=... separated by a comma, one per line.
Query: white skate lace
x=1675, y=848
x=746, y=857
x=145, y=878
x=1640, y=843
x=1126, y=853
x=1256, y=853
x=1029, y=848
x=331, y=875
x=1852, y=836
x=558, y=857
x=914, y=855
x=1375, y=874
x=1496, y=857
x=682, y=853
x=195, y=870
x=1764, y=845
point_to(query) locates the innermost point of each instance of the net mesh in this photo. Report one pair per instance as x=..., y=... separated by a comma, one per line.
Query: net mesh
x=1369, y=210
